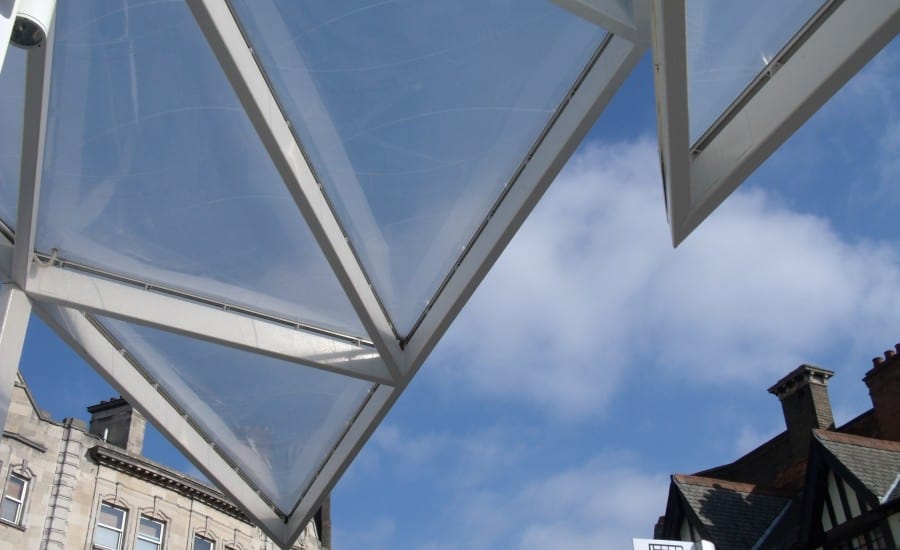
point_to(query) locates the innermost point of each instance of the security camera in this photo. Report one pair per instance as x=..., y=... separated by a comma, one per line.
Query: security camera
x=33, y=19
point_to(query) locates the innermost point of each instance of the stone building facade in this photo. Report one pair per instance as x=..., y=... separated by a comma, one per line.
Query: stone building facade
x=68, y=486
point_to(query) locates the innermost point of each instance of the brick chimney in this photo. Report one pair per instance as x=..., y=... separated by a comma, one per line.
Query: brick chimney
x=117, y=423
x=884, y=388
x=804, y=401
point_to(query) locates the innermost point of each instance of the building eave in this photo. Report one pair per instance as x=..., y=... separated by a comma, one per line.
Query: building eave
x=161, y=476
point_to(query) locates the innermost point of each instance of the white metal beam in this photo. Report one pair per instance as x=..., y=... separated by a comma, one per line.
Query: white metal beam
x=331, y=146
x=584, y=104
x=668, y=36
x=822, y=64
x=76, y=330
x=610, y=15
x=236, y=57
x=37, y=94
x=122, y=301
x=814, y=66
x=7, y=18
x=15, y=310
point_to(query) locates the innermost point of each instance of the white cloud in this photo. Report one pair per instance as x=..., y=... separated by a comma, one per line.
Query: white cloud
x=591, y=288
x=858, y=134
x=377, y=534
x=412, y=451
x=475, y=456
x=751, y=437
x=602, y=503
x=494, y=493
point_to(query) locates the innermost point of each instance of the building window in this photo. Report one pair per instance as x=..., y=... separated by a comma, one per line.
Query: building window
x=201, y=543
x=110, y=527
x=150, y=534
x=875, y=539
x=14, y=499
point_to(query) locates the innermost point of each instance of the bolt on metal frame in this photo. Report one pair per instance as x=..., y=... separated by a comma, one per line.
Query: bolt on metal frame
x=67, y=298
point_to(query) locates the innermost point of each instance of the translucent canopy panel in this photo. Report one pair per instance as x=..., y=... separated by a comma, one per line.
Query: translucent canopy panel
x=12, y=112
x=153, y=170
x=276, y=420
x=415, y=115
x=729, y=44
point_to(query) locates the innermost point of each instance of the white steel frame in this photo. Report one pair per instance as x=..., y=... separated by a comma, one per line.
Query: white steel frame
x=68, y=296
x=224, y=34
x=15, y=310
x=585, y=104
x=132, y=303
x=122, y=374
x=37, y=93
x=63, y=295
x=840, y=39
x=7, y=18
x=612, y=16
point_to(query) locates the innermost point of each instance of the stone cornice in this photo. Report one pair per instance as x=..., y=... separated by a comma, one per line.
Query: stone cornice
x=158, y=474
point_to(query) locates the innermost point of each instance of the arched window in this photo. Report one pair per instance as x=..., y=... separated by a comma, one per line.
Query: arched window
x=203, y=543
x=110, y=530
x=150, y=533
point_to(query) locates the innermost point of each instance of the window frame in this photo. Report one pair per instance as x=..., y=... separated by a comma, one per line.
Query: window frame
x=160, y=543
x=20, y=509
x=870, y=537
x=198, y=536
x=99, y=524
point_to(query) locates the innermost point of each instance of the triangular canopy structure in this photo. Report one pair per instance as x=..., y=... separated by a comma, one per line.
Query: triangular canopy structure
x=275, y=419
x=257, y=218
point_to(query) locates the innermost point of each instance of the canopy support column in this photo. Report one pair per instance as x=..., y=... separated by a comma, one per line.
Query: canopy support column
x=37, y=94
x=15, y=310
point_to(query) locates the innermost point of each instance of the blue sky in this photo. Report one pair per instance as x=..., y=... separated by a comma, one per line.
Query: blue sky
x=595, y=360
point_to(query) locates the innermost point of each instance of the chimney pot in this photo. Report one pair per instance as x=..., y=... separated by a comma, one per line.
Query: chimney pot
x=805, y=404
x=883, y=381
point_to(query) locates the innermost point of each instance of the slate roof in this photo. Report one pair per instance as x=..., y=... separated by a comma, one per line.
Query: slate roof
x=874, y=462
x=733, y=515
